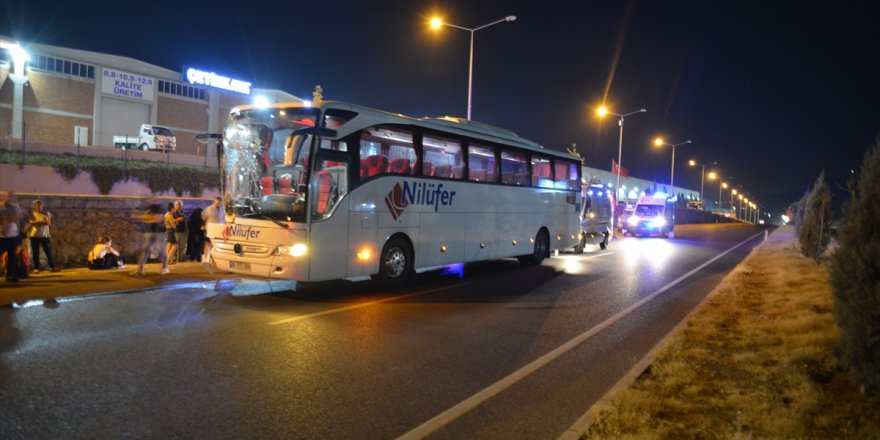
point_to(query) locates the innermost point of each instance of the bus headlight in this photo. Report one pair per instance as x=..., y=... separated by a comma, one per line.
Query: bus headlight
x=296, y=250
x=633, y=221
x=659, y=222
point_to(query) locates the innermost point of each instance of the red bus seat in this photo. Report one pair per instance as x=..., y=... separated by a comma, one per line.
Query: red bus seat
x=400, y=166
x=444, y=170
x=268, y=185
x=324, y=184
x=373, y=165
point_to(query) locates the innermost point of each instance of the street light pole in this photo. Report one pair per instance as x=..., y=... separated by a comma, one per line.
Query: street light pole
x=660, y=142
x=436, y=23
x=602, y=111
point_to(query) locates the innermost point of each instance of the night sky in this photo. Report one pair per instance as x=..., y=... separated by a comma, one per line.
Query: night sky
x=774, y=91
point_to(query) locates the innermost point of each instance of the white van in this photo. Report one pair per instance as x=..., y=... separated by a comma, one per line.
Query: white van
x=653, y=215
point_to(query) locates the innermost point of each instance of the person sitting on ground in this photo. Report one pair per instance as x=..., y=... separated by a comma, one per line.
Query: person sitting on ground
x=103, y=256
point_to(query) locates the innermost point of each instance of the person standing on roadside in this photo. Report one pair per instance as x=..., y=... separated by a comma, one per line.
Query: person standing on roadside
x=10, y=240
x=153, y=228
x=196, y=237
x=182, y=232
x=170, y=222
x=212, y=214
x=38, y=231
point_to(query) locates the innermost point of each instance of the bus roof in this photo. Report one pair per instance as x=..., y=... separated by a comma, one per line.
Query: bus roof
x=367, y=117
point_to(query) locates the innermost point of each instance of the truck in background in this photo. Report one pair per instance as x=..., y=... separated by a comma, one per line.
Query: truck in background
x=149, y=138
x=653, y=215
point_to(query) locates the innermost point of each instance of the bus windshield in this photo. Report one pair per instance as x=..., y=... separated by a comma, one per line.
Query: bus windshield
x=265, y=163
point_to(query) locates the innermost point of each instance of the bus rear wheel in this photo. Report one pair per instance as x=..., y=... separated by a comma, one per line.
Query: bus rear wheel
x=542, y=246
x=395, y=263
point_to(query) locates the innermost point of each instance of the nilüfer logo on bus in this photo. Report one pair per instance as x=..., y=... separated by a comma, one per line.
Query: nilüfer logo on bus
x=418, y=193
x=241, y=232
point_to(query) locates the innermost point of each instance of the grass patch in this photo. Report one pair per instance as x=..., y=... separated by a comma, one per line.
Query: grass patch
x=755, y=362
x=106, y=172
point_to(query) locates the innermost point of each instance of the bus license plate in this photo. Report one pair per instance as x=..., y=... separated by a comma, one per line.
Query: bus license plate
x=240, y=266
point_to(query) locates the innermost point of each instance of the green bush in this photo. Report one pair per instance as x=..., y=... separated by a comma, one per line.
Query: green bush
x=107, y=172
x=855, y=278
x=814, y=233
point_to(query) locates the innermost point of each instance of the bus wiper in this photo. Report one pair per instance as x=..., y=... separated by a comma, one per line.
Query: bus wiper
x=266, y=217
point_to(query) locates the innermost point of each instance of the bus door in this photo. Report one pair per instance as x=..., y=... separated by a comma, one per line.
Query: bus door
x=328, y=236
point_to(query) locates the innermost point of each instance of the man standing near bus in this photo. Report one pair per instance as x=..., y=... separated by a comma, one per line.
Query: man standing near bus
x=153, y=229
x=212, y=214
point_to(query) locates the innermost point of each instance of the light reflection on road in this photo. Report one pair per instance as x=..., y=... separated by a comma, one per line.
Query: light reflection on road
x=657, y=252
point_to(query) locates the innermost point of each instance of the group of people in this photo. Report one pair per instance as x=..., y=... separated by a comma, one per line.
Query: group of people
x=167, y=230
x=175, y=237
x=16, y=230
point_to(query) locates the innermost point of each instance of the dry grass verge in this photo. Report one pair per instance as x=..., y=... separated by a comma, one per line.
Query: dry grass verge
x=755, y=362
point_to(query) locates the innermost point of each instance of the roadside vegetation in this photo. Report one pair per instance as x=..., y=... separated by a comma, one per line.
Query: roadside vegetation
x=755, y=362
x=106, y=172
x=787, y=346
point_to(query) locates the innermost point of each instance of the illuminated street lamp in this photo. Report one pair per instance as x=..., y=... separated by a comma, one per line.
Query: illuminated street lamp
x=694, y=163
x=437, y=23
x=660, y=143
x=602, y=112
x=721, y=187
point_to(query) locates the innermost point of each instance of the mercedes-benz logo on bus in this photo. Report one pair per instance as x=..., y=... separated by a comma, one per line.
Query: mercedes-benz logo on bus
x=237, y=248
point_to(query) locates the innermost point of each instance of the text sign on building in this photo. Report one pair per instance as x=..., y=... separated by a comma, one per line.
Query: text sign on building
x=129, y=85
x=211, y=79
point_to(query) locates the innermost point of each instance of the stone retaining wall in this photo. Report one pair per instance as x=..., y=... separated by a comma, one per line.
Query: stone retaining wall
x=77, y=221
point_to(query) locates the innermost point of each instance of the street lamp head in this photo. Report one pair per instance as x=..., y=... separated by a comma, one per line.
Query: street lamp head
x=510, y=18
x=724, y=185
x=642, y=110
x=688, y=141
x=692, y=163
x=733, y=191
x=659, y=142
x=602, y=111
x=712, y=175
x=436, y=23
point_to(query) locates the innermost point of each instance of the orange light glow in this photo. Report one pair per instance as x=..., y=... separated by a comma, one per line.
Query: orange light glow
x=365, y=254
x=436, y=23
x=602, y=111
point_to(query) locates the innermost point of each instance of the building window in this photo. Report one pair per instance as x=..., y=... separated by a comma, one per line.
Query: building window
x=181, y=90
x=59, y=65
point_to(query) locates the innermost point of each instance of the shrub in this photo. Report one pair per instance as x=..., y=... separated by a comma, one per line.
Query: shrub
x=855, y=278
x=813, y=233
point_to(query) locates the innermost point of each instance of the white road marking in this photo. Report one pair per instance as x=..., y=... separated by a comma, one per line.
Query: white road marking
x=472, y=402
x=366, y=304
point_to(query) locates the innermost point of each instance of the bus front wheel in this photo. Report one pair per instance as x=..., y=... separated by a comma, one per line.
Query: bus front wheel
x=396, y=262
x=542, y=246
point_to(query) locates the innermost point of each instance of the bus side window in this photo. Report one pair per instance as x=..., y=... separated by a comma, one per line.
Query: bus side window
x=541, y=172
x=380, y=147
x=567, y=175
x=513, y=168
x=441, y=156
x=481, y=164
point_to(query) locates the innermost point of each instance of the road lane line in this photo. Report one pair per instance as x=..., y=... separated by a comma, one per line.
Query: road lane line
x=472, y=402
x=366, y=304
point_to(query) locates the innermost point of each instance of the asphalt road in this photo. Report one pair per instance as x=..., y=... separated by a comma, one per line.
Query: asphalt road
x=505, y=352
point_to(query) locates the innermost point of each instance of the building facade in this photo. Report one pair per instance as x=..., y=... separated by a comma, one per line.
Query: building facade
x=64, y=96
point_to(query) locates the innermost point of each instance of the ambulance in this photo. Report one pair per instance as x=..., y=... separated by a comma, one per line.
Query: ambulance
x=653, y=215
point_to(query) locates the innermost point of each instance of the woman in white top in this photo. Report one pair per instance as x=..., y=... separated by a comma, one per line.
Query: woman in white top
x=104, y=256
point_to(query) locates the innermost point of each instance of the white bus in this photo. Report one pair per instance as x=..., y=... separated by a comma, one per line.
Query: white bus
x=340, y=191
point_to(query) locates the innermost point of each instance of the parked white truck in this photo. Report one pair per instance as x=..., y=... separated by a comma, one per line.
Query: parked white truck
x=150, y=137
